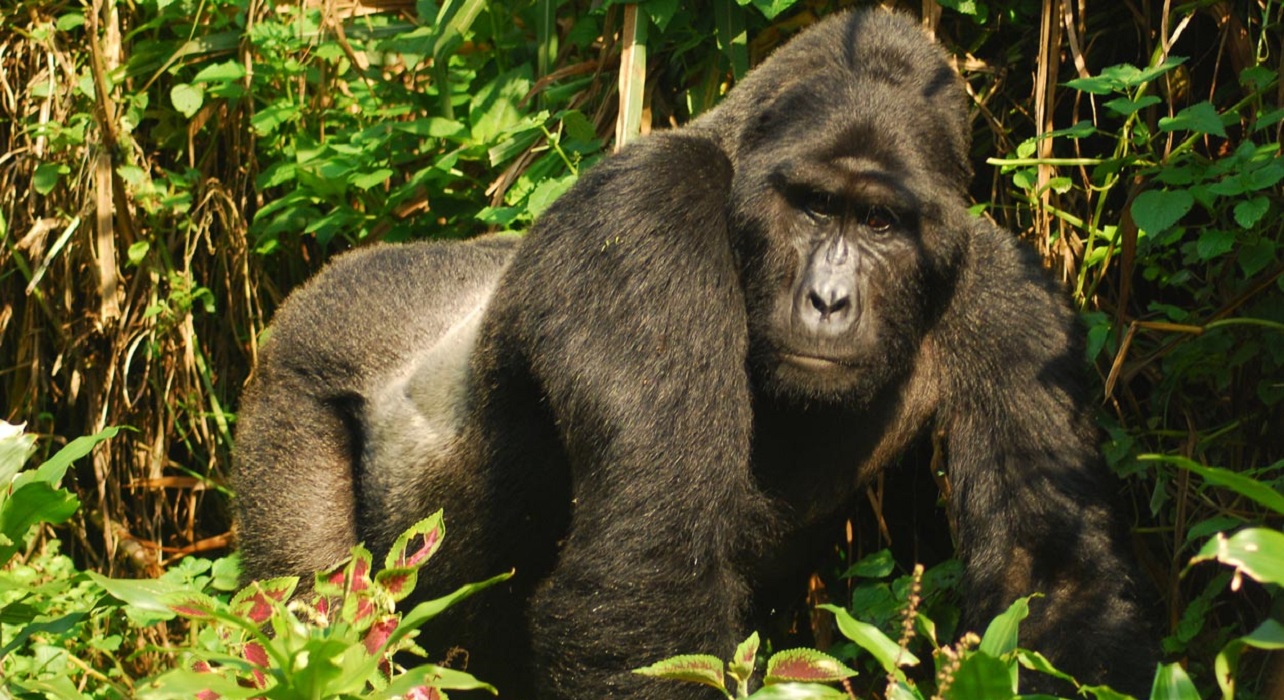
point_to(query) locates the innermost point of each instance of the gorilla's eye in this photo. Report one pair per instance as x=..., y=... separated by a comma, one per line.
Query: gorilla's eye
x=880, y=219
x=820, y=206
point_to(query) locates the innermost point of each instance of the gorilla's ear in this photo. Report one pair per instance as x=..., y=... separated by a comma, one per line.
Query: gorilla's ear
x=626, y=305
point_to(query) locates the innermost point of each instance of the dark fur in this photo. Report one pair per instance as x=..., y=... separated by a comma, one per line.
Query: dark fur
x=625, y=431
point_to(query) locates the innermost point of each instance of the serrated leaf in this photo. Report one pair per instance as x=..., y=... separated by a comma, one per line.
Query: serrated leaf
x=258, y=601
x=1254, y=256
x=805, y=666
x=1154, y=211
x=1201, y=118
x=742, y=662
x=397, y=583
x=692, y=668
x=1248, y=213
x=191, y=604
x=187, y=98
x=417, y=544
x=1256, y=551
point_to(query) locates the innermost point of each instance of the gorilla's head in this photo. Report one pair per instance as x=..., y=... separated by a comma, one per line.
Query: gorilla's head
x=847, y=203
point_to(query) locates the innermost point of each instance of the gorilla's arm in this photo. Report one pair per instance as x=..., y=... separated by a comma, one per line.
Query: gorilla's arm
x=1033, y=500
x=624, y=307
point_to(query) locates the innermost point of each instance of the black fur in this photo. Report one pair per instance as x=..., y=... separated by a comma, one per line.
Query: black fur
x=708, y=344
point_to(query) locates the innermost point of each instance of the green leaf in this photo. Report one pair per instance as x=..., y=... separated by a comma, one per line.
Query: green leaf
x=805, y=666
x=981, y=676
x=1125, y=106
x=226, y=71
x=15, y=448
x=1172, y=683
x=260, y=600
x=742, y=662
x=1254, y=256
x=433, y=677
x=1200, y=118
x=1001, y=635
x=1214, y=243
x=1248, y=487
x=798, y=691
x=149, y=595
x=70, y=21
x=417, y=544
x=365, y=181
x=733, y=39
x=427, y=610
x=47, y=175
x=1248, y=213
x=1256, y=551
x=691, y=668
x=187, y=98
x=876, y=565
x=868, y=637
x=37, y=502
x=1154, y=211
x=138, y=252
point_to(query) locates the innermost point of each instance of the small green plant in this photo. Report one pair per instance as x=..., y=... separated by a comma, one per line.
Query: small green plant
x=337, y=641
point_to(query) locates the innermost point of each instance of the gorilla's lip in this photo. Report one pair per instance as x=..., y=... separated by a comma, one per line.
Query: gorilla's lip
x=815, y=363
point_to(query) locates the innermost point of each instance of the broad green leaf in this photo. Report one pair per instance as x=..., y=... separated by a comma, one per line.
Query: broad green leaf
x=47, y=175
x=53, y=469
x=868, y=637
x=1256, y=551
x=36, y=502
x=137, y=252
x=145, y=594
x=692, y=668
x=1213, y=243
x=70, y=21
x=1001, y=635
x=771, y=8
x=15, y=447
x=1201, y=118
x=876, y=565
x=1254, y=256
x=365, y=181
x=805, y=666
x=733, y=39
x=981, y=676
x=220, y=72
x=1249, y=212
x=1155, y=211
x=1172, y=683
x=187, y=98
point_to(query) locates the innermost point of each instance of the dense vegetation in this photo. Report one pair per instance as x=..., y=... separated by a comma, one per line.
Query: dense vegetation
x=170, y=169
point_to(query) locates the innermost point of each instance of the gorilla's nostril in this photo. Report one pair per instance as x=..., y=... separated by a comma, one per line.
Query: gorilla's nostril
x=830, y=306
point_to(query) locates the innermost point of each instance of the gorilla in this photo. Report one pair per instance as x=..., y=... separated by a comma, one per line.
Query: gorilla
x=705, y=347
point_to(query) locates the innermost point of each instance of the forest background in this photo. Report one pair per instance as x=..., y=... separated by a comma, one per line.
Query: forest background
x=171, y=169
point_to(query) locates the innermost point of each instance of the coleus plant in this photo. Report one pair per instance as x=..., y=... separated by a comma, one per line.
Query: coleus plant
x=337, y=640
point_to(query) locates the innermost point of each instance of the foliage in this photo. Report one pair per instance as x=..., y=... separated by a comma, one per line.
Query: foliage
x=169, y=170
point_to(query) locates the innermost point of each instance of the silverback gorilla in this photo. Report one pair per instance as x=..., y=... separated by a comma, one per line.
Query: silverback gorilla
x=709, y=343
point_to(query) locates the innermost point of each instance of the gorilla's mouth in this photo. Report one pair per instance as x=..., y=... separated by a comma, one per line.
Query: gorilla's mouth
x=814, y=363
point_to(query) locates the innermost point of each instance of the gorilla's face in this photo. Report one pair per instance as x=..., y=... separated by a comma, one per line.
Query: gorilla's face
x=840, y=233
x=833, y=267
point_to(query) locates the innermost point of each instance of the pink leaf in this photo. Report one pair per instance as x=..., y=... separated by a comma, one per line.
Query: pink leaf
x=379, y=633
